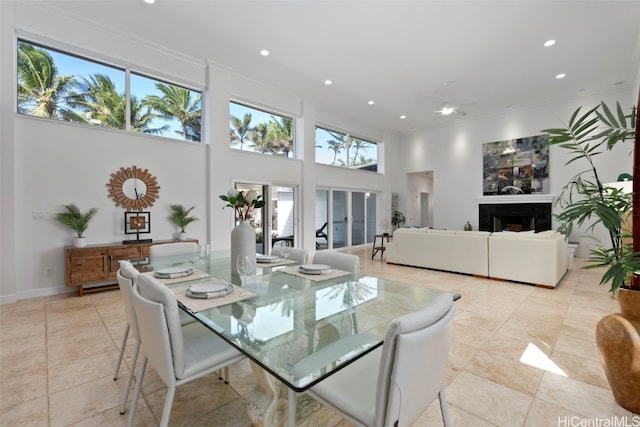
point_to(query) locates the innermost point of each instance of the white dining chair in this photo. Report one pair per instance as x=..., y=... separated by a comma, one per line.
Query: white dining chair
x=179, y=354
x=338, y=260
x=175, y=248
x=393, y=385
x=296, y=254
x=127, y=276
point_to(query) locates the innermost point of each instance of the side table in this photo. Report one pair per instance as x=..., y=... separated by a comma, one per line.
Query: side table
x=379, y=247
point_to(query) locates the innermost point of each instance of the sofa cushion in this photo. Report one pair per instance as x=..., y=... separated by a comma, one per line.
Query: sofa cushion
x=436, y=231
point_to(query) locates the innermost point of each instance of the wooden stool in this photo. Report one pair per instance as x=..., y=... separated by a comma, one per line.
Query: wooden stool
x=379, y=247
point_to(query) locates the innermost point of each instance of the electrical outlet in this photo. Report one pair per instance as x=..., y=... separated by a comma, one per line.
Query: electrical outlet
x=37, y=215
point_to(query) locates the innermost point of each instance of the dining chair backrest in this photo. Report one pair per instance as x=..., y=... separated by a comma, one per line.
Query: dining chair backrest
x=338, y=260
x=414, y=362
x=127, y=276
x=177, y=248
x=297, y=254
x=160, y=328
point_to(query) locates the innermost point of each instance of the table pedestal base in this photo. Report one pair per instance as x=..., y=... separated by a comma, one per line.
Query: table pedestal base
x=268, y=405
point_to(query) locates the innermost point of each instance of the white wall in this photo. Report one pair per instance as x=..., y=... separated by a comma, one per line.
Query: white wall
x=454, y=154
x=58, y=163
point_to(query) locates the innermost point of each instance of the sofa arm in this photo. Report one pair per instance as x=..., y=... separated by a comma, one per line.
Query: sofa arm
x=530, y=259
x=391, y=253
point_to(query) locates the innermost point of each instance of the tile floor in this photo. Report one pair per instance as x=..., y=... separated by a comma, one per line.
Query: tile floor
x=521, y=356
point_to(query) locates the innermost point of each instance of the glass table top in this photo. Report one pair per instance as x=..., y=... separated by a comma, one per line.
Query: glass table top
x=301, y=330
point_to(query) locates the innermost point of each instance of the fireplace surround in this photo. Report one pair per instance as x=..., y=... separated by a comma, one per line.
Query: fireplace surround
x=514, y=216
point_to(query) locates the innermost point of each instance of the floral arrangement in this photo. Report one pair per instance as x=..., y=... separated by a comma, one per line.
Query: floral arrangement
x=243, y=203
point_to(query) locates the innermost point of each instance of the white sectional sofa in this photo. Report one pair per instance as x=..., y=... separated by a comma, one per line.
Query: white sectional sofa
x=449, y=250
x=537, y=258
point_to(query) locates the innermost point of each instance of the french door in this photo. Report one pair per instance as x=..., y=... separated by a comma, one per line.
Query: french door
x=275, y=223
x=350, y=215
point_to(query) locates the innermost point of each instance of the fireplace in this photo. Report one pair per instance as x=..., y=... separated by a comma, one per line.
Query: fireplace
x=514, y=216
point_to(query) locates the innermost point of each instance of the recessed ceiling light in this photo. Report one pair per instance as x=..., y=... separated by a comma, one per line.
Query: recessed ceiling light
x=561, y=76
x=403, y=117
x=328, y=82
x=371, y=102
x=150, y=1
x=264, y=52
x=549, y=43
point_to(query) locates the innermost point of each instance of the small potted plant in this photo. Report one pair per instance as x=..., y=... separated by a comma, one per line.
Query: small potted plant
x=397, y=219
x=180, y=217
x=73, y=218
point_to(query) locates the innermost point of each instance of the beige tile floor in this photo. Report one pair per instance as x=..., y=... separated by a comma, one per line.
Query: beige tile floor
x=521, y=356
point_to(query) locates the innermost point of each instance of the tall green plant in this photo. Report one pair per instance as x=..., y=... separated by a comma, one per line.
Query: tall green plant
x=397, y=218
x=73, y=218
x=180, y=216
x=585, y=198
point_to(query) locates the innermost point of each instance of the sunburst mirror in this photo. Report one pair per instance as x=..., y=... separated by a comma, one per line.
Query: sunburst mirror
x=133, y=188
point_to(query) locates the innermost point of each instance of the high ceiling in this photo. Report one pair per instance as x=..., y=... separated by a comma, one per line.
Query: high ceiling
x=398, y=53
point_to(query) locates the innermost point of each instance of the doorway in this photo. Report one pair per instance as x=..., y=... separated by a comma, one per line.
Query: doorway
x=276, y=221
x=419, y=199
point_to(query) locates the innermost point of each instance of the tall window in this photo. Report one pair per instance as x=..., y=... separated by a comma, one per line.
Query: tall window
x=260, y=131
x=341, y=149
x=66, y=87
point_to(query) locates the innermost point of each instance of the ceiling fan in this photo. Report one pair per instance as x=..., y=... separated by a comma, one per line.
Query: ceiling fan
x=447, y=109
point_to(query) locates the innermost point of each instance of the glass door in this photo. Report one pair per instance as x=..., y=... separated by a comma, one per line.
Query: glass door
x=357, y=218
x=345, y=218
x=283, y=220
x=339, y=228
x=371, y=206
x=322, y=219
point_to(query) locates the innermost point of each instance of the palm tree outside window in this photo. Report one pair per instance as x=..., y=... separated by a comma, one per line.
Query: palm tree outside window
x=62, y=86
x=260, y=131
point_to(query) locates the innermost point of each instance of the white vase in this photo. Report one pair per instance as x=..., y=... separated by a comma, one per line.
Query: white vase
x=79, y=242
x=243, y=242
x=182, y=236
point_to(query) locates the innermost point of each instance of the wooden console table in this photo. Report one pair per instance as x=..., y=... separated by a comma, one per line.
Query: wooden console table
x=98, y=264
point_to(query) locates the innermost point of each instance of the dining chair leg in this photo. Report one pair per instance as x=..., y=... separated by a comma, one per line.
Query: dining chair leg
x=442, y=396
x=125, y=396
x=121, y=356
x=136, y=394
x=226, y=375
x=168, y=402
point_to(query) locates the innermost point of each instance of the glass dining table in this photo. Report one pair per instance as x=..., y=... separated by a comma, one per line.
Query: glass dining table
x=295, y=329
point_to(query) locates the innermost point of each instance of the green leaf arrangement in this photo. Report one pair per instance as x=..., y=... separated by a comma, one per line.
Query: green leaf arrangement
x=180, y=216
x=586, y=199
x=73, y=218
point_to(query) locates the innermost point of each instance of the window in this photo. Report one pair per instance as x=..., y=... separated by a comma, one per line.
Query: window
x=260, y=131
x=341, y=149
x=65, y=87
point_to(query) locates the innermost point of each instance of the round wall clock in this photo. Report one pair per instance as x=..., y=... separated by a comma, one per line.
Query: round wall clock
x=133, y=188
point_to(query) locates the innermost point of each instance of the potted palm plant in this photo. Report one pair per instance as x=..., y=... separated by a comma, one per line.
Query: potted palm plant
x=586, y=200
x=76, y=220
x=397, y=219
x=180, y=217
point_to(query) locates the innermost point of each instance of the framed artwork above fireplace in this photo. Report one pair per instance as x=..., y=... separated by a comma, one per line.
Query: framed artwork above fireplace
x=516, y=166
